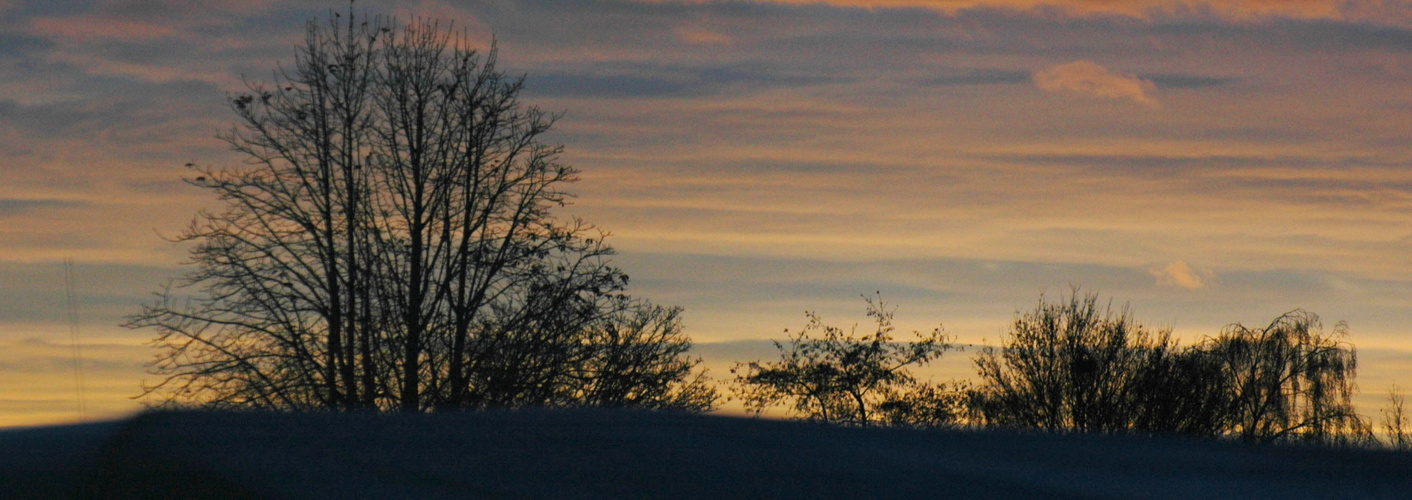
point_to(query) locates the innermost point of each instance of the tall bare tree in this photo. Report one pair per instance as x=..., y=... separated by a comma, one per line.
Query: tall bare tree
x=391, y=243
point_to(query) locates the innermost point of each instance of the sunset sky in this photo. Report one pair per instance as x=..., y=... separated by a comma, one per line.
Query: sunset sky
x=1206, y=162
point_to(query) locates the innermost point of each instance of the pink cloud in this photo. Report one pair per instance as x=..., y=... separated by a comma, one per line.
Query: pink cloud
x=85, y=28
x=1378, y=11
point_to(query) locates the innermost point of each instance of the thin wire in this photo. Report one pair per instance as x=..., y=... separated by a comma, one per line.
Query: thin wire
x=73, y=338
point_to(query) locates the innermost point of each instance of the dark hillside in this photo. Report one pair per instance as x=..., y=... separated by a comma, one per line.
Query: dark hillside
x=606, y=454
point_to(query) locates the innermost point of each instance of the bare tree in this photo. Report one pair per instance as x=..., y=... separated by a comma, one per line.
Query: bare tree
x=1072, y=365
x=1395, y=423
x=1289, y=381
x=639, y=359
x=836, y=376
x=391, y=243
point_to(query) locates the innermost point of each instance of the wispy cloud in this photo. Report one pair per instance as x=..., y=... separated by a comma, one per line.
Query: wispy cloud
x=1380, y=11
x=87, y=28
x=640, y=80
x=980, y=77
x=1089, y=78
x=12, y=206
x=700, y=35
x=1189, y=81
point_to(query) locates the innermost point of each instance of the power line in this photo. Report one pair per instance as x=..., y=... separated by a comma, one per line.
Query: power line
x=73, y=338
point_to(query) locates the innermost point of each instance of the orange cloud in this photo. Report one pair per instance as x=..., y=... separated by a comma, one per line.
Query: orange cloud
x=1087, y=77
x=1179, y=274
x=701, y=36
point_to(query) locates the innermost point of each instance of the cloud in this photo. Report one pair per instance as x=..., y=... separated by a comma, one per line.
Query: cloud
x=1189, y=81
x=1087, y=77
x=637, y=80
x=87, y=28
x=981, y=77
x=701, y=36
x=1387, y=12
x=1177, y=273
x=16, y=206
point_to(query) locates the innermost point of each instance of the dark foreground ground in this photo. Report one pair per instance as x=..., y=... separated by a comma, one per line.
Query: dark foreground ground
x=604, y=454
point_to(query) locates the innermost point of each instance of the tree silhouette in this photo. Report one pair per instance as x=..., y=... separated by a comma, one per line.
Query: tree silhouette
x=829, y=375
x=390, y=242
x=1180, y=391
x=1074, y=366
x=1395, y=424
x=1289, y=381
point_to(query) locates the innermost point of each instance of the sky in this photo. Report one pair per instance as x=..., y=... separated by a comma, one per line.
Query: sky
x=1204, y=163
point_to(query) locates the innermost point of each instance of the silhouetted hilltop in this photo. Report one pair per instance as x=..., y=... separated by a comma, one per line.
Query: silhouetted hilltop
x=614, y=454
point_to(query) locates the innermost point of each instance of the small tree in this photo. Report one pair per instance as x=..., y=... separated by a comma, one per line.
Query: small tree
x=1289, y=381
x=830, y=375
x=1395, y=423
x=1072, y=365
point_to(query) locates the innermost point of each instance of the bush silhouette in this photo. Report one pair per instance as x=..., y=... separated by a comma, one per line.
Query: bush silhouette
x=1075, y=366
x=1072, y=365
x=827, y=374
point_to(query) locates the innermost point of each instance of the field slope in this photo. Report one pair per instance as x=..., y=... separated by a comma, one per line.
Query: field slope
x=612, y=454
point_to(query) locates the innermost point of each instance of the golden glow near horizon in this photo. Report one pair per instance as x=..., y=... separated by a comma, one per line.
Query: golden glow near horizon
x=1208, y=161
